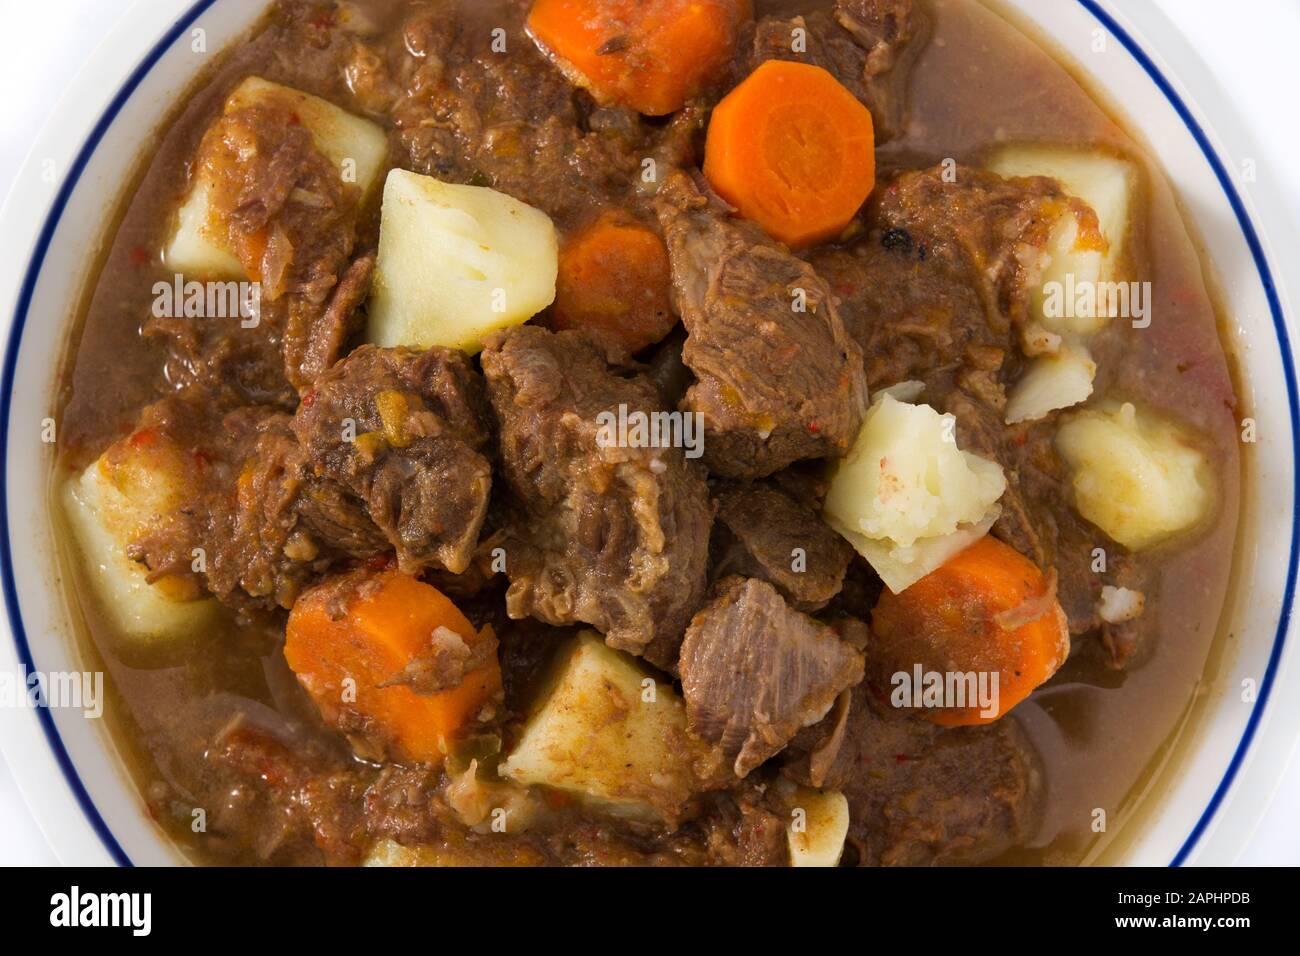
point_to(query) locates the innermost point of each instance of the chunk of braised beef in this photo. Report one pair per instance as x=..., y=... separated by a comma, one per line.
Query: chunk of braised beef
x=755, y=672
x=762, y=532
x=607, y=532
x=921, y=794
x=397, y=436
x=778, y=377
x=946, y=319
x=316, y=347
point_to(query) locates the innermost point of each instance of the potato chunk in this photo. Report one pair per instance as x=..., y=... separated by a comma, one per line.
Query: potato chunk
x=198, y=247
x=1050, y=383
x=113, y=500
x=1107, y=184
x=818, y=827
x=906, y=497
x=357, y=147
x=610, y=733
x=1135, y=476
x=457, y=262
x=901, y=566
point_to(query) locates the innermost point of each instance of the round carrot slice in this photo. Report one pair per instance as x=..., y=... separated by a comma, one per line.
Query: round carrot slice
x=989, y=610
x=794, y=151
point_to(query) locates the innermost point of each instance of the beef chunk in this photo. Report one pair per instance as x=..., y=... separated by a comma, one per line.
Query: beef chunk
x=868, y=45
x=321, y=343
x=396, y=435
x=256, y=548
x=943, y=275
x=778, y=377
x=918, y=793
x=667, y=370
x=616, y=537
x=764, y=533
x=754, y=672
x=382, y=456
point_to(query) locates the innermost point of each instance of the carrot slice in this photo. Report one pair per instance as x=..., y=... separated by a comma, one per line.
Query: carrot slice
x=614, y=282
x=343, y=662
x=649, y=56
x=793, y=150
x=987, y=610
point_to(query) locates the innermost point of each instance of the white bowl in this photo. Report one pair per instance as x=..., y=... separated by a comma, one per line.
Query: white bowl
x=1209, y=799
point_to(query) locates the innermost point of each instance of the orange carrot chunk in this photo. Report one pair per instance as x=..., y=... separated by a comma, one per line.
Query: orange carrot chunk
x=987, y=610
x=649, y=56
x=348, y=664
x=792, y=150
x=614, y=282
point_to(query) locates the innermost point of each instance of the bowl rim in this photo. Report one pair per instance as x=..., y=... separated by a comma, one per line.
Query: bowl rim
x=1247, y=226
x=52, y=217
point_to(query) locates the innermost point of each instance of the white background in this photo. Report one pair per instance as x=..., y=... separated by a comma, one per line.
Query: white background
x=1250, y=44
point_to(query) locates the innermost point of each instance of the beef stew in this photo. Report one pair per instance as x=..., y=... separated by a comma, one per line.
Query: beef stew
x=726, y=433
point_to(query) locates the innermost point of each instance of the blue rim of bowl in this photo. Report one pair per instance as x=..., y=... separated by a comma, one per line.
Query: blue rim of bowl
x=173, y=33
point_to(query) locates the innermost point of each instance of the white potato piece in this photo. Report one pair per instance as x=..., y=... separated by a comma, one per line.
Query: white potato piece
x=1077, y=271
x=905, y=488
x=608, y=732
x=1052, y=382
x=905, y=478
x=1135, y=476
x=198, y=247
x=357, y=147
x=901, y=566
x=908, y=391
x=106, y=506
x=456, y=263
x=818, y=827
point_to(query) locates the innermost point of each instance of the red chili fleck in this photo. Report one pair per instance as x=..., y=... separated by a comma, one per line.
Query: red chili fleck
x=309, y=398
x=140, y=256
x=814, y=427
x=901, y=758
x=323, y=21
